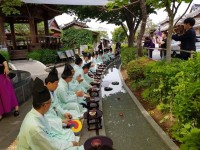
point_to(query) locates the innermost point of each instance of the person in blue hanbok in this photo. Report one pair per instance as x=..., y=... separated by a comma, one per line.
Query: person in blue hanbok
x=86, y=60
x=56, y=116
x=76, y=83
x=79, y=72
x=99, y=58
x=78, y=66
x=84, y=73
x=106, y=56
x=95, y=60
x=35, y=132
x=67, y=99
x=110, y=54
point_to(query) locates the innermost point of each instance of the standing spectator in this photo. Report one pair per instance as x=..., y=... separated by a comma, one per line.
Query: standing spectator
x=188, y=39
x=149, y=45
x=118, y=48
x=8, y=100
x=163, y=45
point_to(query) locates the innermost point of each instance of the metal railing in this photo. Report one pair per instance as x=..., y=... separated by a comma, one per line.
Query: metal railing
x=192, y=52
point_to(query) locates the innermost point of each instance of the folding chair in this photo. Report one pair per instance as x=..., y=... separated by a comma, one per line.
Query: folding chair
x=61, y=55
x=69, y=56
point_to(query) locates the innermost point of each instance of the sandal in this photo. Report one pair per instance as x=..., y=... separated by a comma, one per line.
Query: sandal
x=16, y=113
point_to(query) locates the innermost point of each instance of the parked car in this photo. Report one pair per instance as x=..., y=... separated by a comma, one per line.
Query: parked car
x=175, y=47
x=198, y=43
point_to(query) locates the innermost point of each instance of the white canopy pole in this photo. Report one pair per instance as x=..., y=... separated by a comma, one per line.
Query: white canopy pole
x=68, y=2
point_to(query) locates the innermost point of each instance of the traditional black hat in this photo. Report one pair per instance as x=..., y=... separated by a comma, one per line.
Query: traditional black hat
x=53, y=76
x=100, y=52
x=68, y=67
x=85, y=54
x=98, y=141
x=40, y=92
x=87, y=65
x=67, y=70
x=78, y=61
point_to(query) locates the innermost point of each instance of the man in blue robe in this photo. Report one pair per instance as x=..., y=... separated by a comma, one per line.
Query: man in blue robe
x=35, y=132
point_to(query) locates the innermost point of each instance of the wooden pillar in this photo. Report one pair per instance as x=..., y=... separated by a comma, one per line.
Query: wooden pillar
x=46, y=27
x=2, y=31
x=32, y=30
x=46, y=31
x=36, y=31
x=13, y=39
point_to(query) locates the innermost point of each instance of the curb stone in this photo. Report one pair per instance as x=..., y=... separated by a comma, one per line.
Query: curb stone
x=153, y=124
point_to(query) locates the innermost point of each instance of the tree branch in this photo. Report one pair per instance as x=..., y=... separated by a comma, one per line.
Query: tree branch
x=183, y=13
x=173, y=6
x=124, y=6
x=177, y=8
x=122, y=25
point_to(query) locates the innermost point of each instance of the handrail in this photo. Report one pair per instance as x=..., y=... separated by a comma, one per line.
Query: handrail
x=192, y=51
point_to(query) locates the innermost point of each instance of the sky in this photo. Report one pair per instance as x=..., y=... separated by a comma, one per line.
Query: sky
x=156, y=18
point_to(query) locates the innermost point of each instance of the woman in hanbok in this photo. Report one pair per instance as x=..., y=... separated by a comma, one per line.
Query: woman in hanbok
x=8, y=100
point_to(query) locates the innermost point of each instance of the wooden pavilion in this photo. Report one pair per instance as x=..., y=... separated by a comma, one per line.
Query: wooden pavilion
x=31, y=14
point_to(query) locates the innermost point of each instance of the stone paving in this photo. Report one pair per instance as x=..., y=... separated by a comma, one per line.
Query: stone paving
x=10, y=125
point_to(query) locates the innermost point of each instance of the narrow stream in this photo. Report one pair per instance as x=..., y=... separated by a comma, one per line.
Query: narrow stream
x=124, y=123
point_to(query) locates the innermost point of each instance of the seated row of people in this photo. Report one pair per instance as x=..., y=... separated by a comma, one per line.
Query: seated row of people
x=54, y=104
x=97, y=58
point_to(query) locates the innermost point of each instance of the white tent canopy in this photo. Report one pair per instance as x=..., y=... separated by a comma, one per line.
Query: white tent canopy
x=68, y=2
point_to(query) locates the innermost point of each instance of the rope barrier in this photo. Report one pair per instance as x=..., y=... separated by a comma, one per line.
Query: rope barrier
x=191, y=52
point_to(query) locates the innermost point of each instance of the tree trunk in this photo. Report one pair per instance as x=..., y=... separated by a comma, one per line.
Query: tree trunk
x=143, y=25
x=130, y=39
x=169, y=38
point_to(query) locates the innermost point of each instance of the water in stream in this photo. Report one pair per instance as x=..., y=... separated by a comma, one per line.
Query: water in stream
x=124, y=123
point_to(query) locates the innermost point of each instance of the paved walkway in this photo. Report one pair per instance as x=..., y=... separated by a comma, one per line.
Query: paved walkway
x=37, y=69
x=10, y=125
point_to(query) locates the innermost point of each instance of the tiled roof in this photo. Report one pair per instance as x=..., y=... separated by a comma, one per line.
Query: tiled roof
x=75, y=22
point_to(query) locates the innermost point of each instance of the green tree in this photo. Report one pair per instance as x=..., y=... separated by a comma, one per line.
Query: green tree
x=103, y=34
x=150, y=26
x=171, y=7
x=130, y=14
x=9, y=7
x=73, y=38
x=144, y=11
x=118, y=35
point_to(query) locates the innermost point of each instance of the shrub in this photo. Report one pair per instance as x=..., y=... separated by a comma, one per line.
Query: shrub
x=191, y=140
x=175, y=88
x=127, y=54
x=35, y=55
x=45, y=56
x=5, y=54
x=135, y=68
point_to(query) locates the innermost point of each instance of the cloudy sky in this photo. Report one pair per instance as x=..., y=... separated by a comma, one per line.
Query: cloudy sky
x=156, y=18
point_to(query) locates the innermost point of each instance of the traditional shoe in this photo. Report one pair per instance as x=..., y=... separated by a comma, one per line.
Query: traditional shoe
x=115, y=83
x=108, y=88
x=16, y=113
